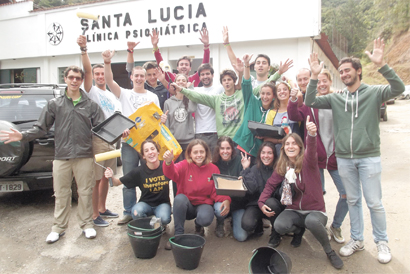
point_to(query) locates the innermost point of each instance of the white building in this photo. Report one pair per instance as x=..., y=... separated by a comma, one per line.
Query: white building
x=38, y=44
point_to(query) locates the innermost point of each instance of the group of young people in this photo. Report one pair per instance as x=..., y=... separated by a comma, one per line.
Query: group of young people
x=284, y=177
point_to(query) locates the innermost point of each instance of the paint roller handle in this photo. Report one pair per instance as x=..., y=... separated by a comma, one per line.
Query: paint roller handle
x=108, y=174
x=110, y=181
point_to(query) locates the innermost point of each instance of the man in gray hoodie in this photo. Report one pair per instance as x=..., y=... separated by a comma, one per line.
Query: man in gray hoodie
x=356, y=118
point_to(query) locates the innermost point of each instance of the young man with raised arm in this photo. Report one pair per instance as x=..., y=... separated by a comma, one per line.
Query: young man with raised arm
x=356, y=118
x=131, y=100
x=108, y=104
x=73, y=116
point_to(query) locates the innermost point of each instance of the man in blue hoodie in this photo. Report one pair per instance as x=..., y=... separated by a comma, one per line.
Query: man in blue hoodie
x=356, y=118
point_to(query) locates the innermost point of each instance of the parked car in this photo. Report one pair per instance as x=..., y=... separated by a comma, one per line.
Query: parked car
x=406, y=94
x=383, y=111
x=26, y=166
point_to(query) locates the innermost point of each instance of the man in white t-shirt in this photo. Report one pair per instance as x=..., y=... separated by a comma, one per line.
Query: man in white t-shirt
x=205, y=122
x=131, y=100
x=109, y=104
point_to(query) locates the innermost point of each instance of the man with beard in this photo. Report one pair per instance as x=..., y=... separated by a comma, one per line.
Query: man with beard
x=356, y=118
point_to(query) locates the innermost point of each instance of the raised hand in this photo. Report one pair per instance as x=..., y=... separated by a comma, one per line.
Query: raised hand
x=131, y=45
x=10, y=136
x=107, y=55
x=378, y=53
x=247, y=58
x=168, y=156
x=245, y=161
x=204, y=36
x=315, y=67
x=159, y=74
x=310, y=127
x=285, y=67
x=154, y=38
x=82, y=41
x=294, y=94
x=239, y=67
x=225, y=35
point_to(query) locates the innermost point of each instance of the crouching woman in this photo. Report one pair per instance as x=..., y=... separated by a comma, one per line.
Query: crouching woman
x=196, y=190
x=150, y=179
x=306, y=208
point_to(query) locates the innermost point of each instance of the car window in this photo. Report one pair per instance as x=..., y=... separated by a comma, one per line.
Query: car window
x=22, y=107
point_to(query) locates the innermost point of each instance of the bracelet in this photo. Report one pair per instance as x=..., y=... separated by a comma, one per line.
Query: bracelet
x=83, y=53
x=83, y=49
x=246, y=66
x=107, y=63
x=130, y=50
x=206, y=46
x=226, y=44
x=154, y=49
x=168, y=164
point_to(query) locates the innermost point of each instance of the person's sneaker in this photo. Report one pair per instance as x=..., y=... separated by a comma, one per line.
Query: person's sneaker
x=125, y=220
x=334, y=259
x=351, y=247
x=384, y=252
x=337, y=234
x=108, y=214
x=90, y=233
x=168, y=245
x=274, y=240
x=297, y=238
x=219, y=230
x=100, y=221
x=54, y=237
x=199, y=230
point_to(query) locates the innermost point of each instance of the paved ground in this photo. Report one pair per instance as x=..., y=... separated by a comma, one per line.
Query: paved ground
x=26, y=219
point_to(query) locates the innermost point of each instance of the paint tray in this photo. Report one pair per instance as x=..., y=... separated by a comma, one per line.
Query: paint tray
x=265, y=130
x=229, y=185
x=112, y=128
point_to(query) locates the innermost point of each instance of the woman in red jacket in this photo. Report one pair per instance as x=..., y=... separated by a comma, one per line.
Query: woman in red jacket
x=196, y=190
x=299, y=170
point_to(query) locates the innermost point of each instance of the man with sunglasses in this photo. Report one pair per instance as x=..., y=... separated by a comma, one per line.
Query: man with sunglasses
x=73, y=115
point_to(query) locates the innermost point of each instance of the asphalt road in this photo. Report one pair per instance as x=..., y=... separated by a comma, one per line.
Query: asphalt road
x=26, y=219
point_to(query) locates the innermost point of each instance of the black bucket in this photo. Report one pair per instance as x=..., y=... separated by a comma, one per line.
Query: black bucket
x=187, y=250
x=142, y=227
x=269, y=260
x=144, y=247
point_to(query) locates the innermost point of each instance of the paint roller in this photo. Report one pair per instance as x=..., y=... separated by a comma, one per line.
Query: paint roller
x=87, y=16
x=107, y=156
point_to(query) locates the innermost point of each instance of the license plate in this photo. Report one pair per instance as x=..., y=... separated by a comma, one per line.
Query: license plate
x=15, y=186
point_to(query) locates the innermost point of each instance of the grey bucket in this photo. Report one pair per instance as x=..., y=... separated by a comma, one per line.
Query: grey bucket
x=269, y=260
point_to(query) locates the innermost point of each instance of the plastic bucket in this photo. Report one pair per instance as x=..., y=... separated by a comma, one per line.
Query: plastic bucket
x=187, y=250
x=269, y=260
x=142, y=227
x=144, y=247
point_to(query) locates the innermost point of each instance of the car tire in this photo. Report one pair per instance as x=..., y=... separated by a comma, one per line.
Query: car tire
x=385, y=116
x=13, y=155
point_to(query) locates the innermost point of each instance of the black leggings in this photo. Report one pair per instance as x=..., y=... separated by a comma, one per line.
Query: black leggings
x=292, y=221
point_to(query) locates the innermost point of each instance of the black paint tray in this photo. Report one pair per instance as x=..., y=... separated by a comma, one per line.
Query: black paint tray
x=265, y=130
x=112, y=128
x=238, y=187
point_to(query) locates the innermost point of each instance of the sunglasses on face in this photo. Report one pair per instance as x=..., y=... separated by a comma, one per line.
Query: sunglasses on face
x=71, y=78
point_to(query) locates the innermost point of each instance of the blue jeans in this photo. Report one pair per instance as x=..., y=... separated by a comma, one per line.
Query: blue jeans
x=358, y=174
x=341, y=207
x=130, y=160
x=184, y=210
x=142, y=209
x=238, y=232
